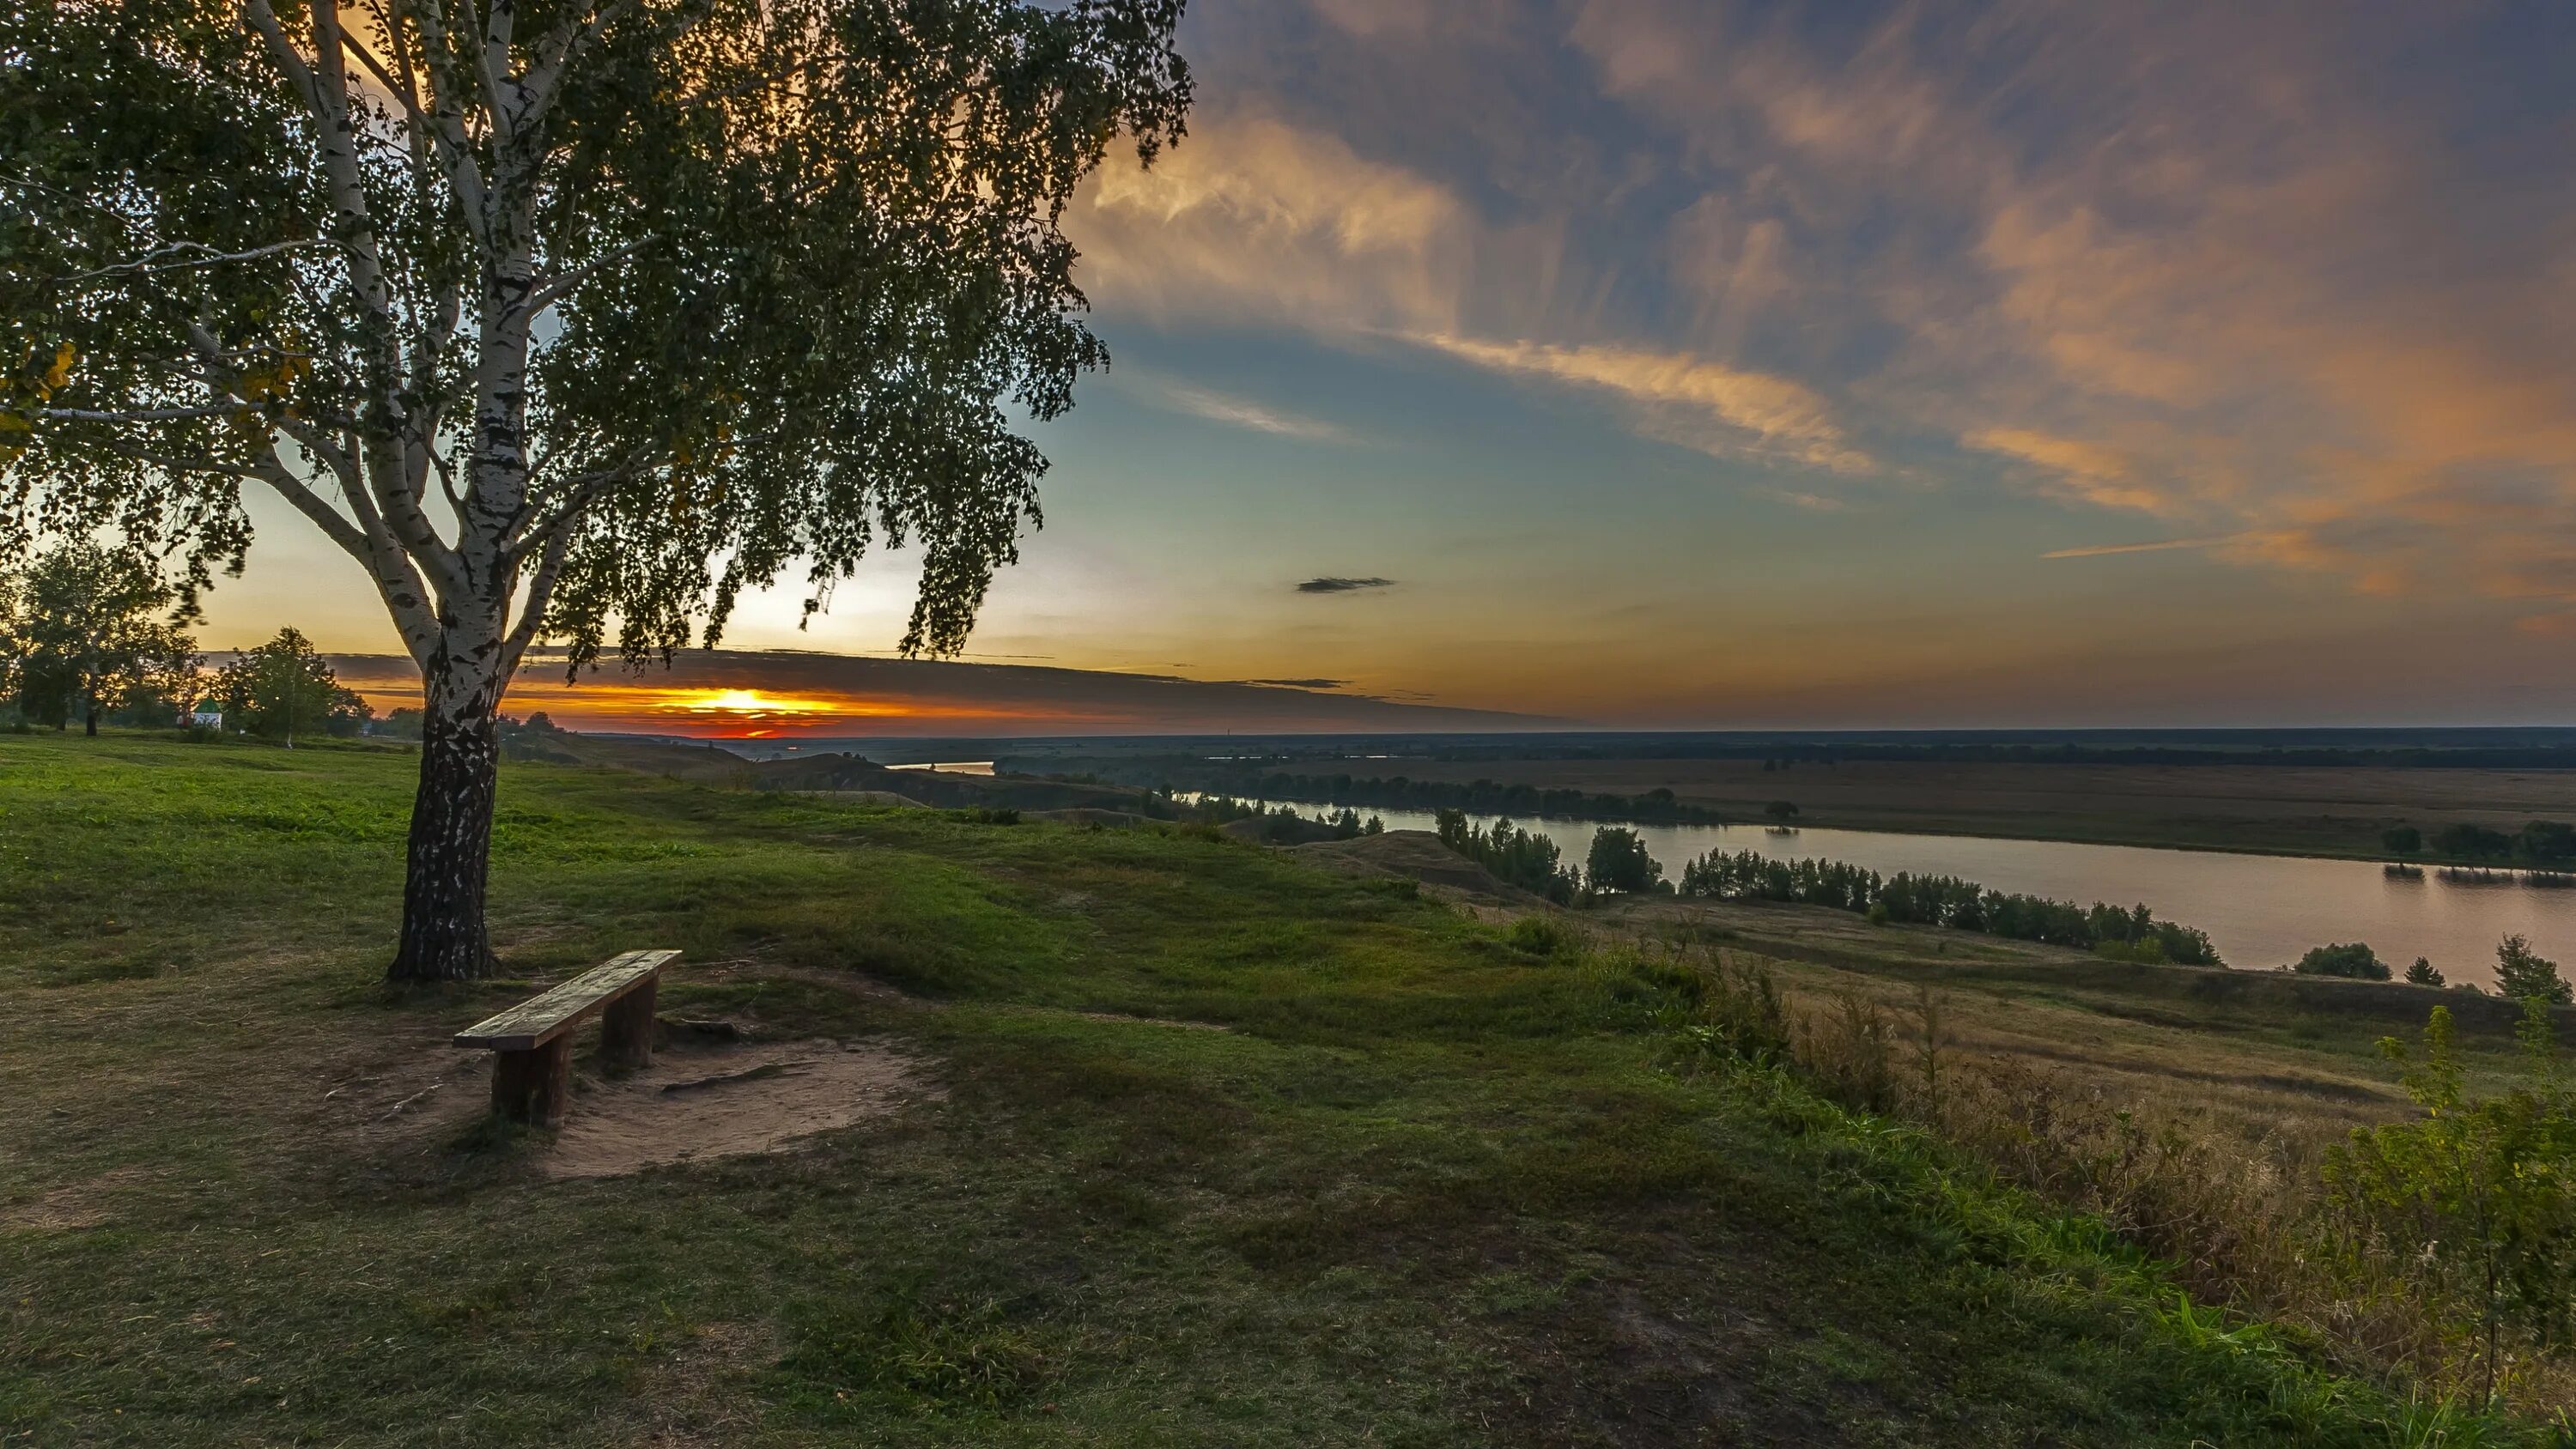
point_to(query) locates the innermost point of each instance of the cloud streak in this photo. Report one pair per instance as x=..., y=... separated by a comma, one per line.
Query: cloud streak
x=1337, y=585
x=2107, y=550
x=1752, y=409
x=1237, y=412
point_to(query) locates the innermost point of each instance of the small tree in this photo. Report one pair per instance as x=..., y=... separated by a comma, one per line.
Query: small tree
x=282, y=689
x=86, y=635
x=2356, y=961
x=2422, y=973
x=2404, y=840
x=1618, y=862
x=1782, y=811
x=2525, y=976
x=2478, y=1197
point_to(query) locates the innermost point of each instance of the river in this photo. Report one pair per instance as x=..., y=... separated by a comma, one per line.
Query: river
x=2260, y=911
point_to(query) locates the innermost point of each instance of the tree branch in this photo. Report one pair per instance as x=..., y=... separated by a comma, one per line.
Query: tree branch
x=532, y=609
x=555, y=288
x=492, y=59
x=573, y=496
x=144, y=415
x=393, y=87
x=464, y=173
x=147, y=266
x=184, y=465
x=555, y=53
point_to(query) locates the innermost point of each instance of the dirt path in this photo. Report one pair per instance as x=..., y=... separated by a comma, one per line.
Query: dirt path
x=703, y=1102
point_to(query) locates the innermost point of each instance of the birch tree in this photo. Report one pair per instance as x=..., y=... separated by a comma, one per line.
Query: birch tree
x=564, y=319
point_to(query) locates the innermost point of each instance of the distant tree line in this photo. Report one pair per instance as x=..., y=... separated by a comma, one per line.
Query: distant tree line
x=1344, y=824
x=2544, y=845
x=1780, y=753
x=1480, y=797
x=1940, y=900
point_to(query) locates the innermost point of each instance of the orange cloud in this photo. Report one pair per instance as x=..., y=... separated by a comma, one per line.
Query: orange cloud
x=1778, y=414
x=2088, y=471
x=746, y=693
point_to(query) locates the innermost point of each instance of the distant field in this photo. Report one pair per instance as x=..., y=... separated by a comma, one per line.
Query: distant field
x=2321, y=810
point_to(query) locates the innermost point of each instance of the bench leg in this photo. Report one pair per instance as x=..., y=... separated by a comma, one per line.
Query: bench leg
x=531, y=1086
x=626, y=1029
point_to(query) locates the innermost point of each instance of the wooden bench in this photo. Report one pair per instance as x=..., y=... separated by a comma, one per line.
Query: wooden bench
x=532, y=1041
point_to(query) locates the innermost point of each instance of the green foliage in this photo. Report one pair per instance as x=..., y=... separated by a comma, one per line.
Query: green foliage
x=1618, y=862
x=1518, y=857
x=2422, y=973
x=1741, y=1016
x=283, y=689
x=1478, y=797
x=2472, y=842
x=1347, y=824
x=2478, y=1193
x=1782, y=811
x=2354, y=960
x=1939, y=900
x=83, y=635
x=2402, y=840
x=1538, y=936
x=2524, y=975
x=2546, y=845
x=775, y=333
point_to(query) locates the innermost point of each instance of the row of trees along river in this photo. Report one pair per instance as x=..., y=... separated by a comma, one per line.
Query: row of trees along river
x=2255, y=911
x=1618, y=859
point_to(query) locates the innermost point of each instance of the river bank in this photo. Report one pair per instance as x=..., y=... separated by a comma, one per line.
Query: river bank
x=2322, y=812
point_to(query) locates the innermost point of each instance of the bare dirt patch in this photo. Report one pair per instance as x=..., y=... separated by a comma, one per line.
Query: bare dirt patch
x=696, y=1103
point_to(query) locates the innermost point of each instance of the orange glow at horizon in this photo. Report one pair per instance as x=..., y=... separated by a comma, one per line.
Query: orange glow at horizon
x=750, y=713
x=741, y=703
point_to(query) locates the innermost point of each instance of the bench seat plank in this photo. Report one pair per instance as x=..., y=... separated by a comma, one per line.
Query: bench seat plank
x=540, y=1019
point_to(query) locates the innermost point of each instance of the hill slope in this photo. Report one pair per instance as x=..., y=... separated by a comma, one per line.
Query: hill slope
x=1416, y=1187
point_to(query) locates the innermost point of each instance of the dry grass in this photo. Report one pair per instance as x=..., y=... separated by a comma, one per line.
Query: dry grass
x=2183, y=1151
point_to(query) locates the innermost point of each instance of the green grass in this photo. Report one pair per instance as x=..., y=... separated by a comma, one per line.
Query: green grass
x=1429, y=1187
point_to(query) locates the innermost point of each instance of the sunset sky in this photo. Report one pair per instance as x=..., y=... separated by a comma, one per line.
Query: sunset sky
x=1673, y=363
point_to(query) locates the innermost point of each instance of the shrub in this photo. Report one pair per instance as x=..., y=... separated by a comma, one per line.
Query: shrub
x=1741, y=1015
x=2355, y=961
x=2422, y=973
x=2404, y=840
x=1537, y=935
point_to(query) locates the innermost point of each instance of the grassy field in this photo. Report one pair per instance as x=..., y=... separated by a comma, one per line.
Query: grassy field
x=1216, y=1147
x=2273, y=808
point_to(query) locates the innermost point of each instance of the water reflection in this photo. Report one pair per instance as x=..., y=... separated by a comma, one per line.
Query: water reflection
x=2260, y=910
